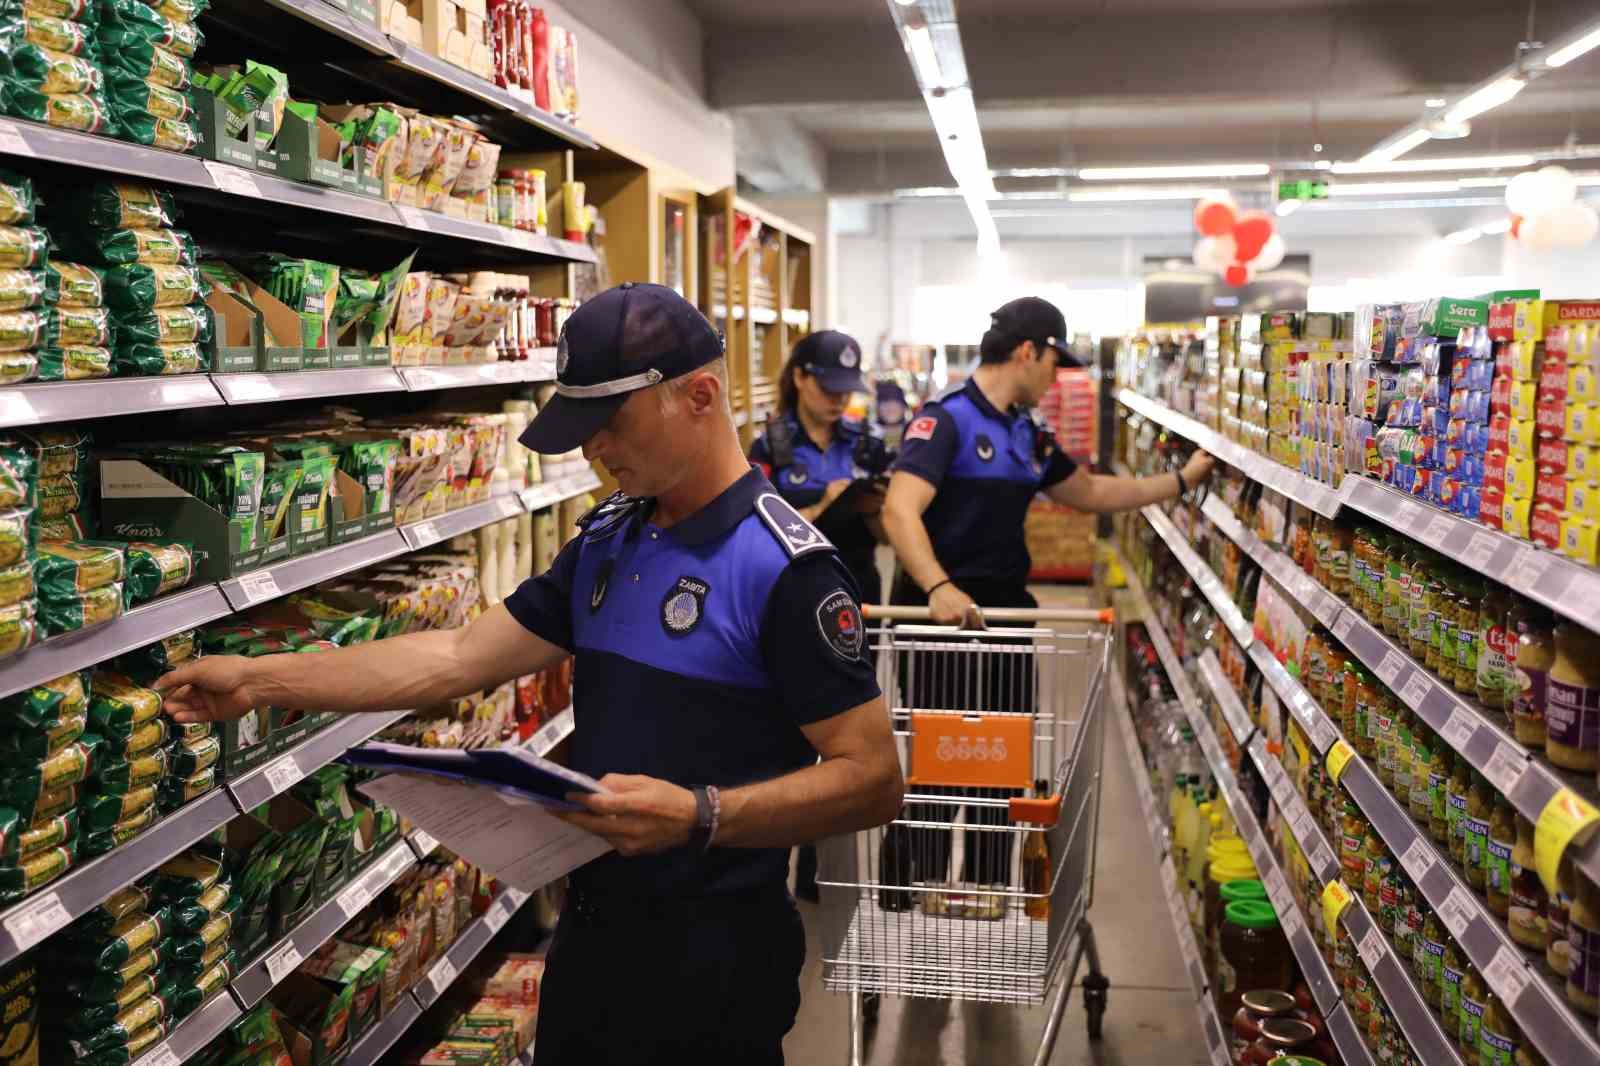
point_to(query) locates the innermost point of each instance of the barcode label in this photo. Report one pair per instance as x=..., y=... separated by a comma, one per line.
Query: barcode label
x=1505, y=768
x=1456, y=911
x=496, y=916
x=281, y=963
x=1303, y=824
x=1289, y=919
x=424, y=841
x=1405, y=513
x=1478, y=550
x=1415, y=689
x=36, y=919
x=424, y=534
x=507, y=506
x=1418, y=859
x=1343, y=625
x=230, y=178
x=1326, y=608
x=1458, y=729
x=354, y=899
x=1508, y=975
x=516, y=897
x=1372, y=947
x=161, y=1056
x=412, y=217
x=1439, y=527
x=1389, y=668
x=283, y=773
x=258, y=586
x=443, y=972
x=1527, y=568
x=1324, y=732
x=1322, y=858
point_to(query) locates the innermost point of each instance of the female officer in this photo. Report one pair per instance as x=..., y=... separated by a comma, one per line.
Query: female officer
x=814, y=457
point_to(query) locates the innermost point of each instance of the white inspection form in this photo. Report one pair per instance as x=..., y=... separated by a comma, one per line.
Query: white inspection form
x=513, y=840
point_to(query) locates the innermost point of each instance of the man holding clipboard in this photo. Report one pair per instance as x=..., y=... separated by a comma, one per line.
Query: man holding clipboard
x=722, y=694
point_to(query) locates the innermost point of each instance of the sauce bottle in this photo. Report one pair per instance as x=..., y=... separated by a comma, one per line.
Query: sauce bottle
x=1446, y=612
x=1380, y=731
x=1500, y=1038
x=1340, y=539
x=1492, y=682
x=1558, y=952
x=1572, y=709
x=1475, y=831
x=1502, y=842
x=1366, y=706
x=1376, y=867
x=1358, y=569
x=1396, y=583
x=1400, y=931
x=1352, y=847
x=1429, y=975
x=1525, y=918
x=1417, y=634
x=1536, y=653
x=1456, y=790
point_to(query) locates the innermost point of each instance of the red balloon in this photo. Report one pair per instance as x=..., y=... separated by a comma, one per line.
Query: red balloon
x=1236, y=275
x=1516, y=226
x=1213, y=217
x=1251, y=233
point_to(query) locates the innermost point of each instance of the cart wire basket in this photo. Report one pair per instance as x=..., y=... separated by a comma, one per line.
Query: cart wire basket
x=980, y=889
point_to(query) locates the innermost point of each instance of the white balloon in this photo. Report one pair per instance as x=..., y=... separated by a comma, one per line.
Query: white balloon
x=1214, y=253
x=1522, y=194
x=1536, y=232
x=1571, y=225
x=1271, y=253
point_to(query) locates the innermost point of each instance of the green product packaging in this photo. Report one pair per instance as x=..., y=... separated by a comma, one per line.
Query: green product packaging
x=191, y=915
x=189, y=972
x=108, y=951
x=210, y=982
x=92, y=844
x=57, y=801
x=182, y=10
x=257, y=88
x=195, y=756
x=23, y=246
x=16, y=527
x=278, y=495
x=177, y=791
x=119, y=205
x=187, y=877
x=118, y=705
x=33, y=874
x=73, y=284
x=83, y=112
x=357, y=299
x=157, y=569
x=58, y=451
x=24, y=786
x=151, y=63
x=374, y=137
x=187, y=731
x=17, y=367
x=18, y=469
x=137, y=742
x=144, y=665
x=131, y=899
x=18, y=628
x=92, y=1017
x=37, y=745
x=192, y=949
x=64, y=527
x=46, y=31
x=17, y=202
x=149, y=360
x=311, y=497
x=127, y=22
x=122, y=1035
x=117, y=246
x=45, y=70
x=156, y=130
x=83, y=611
x=32, y=708
x=227, y=640
x=77, y=10
x=72, y=327
x=94, y=987
x=56, y=831
x=60, y=494
x=66, y=569
x=16, y=583
x=100, y=813
x=140, y=287
x=166, y=325
x=74, y=363
x=23, y=329
x=129, y=93
x=228, y=480
x=21, y=289
x=120, y=778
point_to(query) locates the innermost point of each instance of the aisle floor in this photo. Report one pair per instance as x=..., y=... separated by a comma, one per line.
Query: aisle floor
x=1150, y=1015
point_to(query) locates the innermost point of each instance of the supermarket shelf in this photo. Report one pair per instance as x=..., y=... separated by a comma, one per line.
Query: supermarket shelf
x=140, y=626
x=84, y=887
x=291, y=575
x=375, y=1042
x=797, y=317
x=473, y=939
x=435, y=69
x=1233, y=711
x=62, y=401
x=320, y=748
x=464, y=520
x=256, y=980
x=194, y=1032
x=325, y=16
x=1315, y=495
x=1238, y=625
x=305, y=384
x=553, y=732
x=428, y=378
x=1312, y=596
x=550, y=493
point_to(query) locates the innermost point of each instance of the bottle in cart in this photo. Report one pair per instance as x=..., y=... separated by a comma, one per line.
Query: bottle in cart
x=1036, y=870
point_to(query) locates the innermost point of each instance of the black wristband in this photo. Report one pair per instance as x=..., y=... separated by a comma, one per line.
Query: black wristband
x=937, y=585
x=1183, y=488
x=700, y=835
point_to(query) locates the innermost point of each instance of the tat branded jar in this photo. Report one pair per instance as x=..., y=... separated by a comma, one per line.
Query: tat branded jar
x=1535, y=652
x=1583, y=934
x=1255, y=953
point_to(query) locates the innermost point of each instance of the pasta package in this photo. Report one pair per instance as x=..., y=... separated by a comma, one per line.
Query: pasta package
x=61, y=494
x=133, y=22
x=92, y=844
x=177, y=791
x=148, y=1013
x=117, y=705
x=139, y=741
x=167, y=325
x=24, y=785
x=43, y=742
x=83, y=611
x=76, y=362
x=17, y=202
x=187, y=877
x=18, y=469
x=16, y=528
x=63, y=527
x=145, y=664
x=22, y=289
x=152, y=63
x=120, y=205
x=118, y=246
x=18, y=628
x=67, y=569
x=33, y=707
x=157, y=569
x=16, y=583
x=84, y=112
x=93, y=987
x=148, y=360
x=195, y=756
x=19, y=880
x=58, y=451
x=130, y=93
x=73, y=284
x=141, y=287
x=17, y=367
x=55, y=831
x=46, y=70
x=22, y=329
x=98, y=813
x=111, y=950
x=56, y=34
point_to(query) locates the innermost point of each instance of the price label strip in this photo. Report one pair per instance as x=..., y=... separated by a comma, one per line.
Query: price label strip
x=282, y=962
x=283, y=773
x=354, y=899
x=36, y=919
x=1567, y=819
x=1323, y=732
x=1508, y=975
x=424, y=841
x=12, y=142
x=1415, y=689
x=442, y=974
x=1439, y=527
x=496, y=916
x=1478, y=550
x=1527, y=568
x=161, y=1056
x=412, y=217
x=230, y=178
x=1418, y=859
x=1389, y=668
x=259, y=585
x=1343, y=625
x=1458, y=728
x=1505, y=768
x=1456, y=911
x=1372, y=948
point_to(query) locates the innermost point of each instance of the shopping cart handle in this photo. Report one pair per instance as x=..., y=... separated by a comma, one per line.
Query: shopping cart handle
x=1045, y=811
x=1105, y=616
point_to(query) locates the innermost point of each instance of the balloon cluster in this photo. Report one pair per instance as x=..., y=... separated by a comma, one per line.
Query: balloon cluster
x=1234, y=243
x=1546, y=212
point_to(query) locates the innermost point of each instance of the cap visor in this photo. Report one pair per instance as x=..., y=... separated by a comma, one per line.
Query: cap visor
x=839, y=379
x=564, y=423
x=1066, y=354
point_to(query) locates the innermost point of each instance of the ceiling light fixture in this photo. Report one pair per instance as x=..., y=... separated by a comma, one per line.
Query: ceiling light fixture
x=919, y=43
x=1461, y=162
x=1397, y=147
x=1562, y=56
x=1463, y=236
x=1031, y=172
x=1490, y=96
x=1131, y=193
x=1483, y=182
x=1435, y=101
x=1385, y=188
x=1286, y=208
x=1499, y=225
x=1202, y=170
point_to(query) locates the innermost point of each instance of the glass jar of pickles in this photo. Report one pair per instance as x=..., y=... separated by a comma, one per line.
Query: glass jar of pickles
x=1469, y=595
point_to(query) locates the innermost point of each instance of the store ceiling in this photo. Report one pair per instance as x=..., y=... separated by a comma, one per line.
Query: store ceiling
x=1086, y=82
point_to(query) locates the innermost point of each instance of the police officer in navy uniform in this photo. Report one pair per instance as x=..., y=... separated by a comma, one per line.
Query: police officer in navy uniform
x=831, y=469
x=970, y=464
x=721, y=693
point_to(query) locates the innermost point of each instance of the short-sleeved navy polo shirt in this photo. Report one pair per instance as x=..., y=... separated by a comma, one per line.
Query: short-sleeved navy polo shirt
x=810, y=469
x=701, y=649
x=987, y=465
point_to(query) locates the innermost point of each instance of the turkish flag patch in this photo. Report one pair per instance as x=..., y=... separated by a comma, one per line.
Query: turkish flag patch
x=922, y=428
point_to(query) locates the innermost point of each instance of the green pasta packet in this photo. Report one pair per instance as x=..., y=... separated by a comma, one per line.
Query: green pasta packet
x=148, y=360
x=68, y=327
x=73, y=284
x=166, y=325
x=128, y=92
x=99, y=813
x=83, y=611
x=17, y=202
x=63, y=527
x=46, y=70
x=157, y=130
x=23, y=329
x=23, y=246
x=141, y=287
x=152, y=63
x=43, y=703
x=16, y=583
x=92, y=844
x=77, y=362
x=126, y=22
x=119, y=778
x=94, y=987
x=21, y=289
x=120, y=205
x=30, y=875
x=84, y=112
x=34, y=746
x=157, y=569
x=65, y=569
x=117, y=246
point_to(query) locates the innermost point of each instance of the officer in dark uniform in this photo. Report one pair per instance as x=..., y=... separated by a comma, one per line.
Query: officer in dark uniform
x=833, y=470
x=721, y=693
x=970, y=465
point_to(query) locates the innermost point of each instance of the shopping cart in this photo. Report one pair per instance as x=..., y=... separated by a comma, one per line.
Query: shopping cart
x=980, y=890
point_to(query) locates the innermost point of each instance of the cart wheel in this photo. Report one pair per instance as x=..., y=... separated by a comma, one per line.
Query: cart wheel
x=1095, y=987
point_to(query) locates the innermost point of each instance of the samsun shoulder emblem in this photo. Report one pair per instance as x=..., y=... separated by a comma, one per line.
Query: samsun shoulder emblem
x=684, y=605
x=839, y=619
x=922, y=428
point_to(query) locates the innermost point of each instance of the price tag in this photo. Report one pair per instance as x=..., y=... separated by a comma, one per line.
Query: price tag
x=283, y=773
x=516, y=897
x=1322, y=858
x=16, y=409
x=1389, y=667
x=1505, y=768
x=1478, y=550
x=424, y=534
x=282, y=962
x=1456, y=911
x=259, y=585
x=1277, y=887
x=507, y=506
x=161, y=1056
x=496, y=916
x=1372, y=947
x=1303, y=824
x=230, y=178
x=1418, y=859
x=424, y=841
x=1339, y=757
x=1565, y=820
x=1335, y=898
x=1458, y=728
x=1289, y=919
x=1527, y=568
x=1406, y=513
x=1343, y=625
x=1508, y=975
x=1327, y=608
x=1439, y=527
x=443, y=972
x=1415, y=689
x=412, y=217
x=1323, y=732
x=36, y=919
x=12, y=141
x=354, y=898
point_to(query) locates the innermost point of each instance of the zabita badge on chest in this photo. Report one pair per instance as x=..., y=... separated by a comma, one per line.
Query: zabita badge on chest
x=684, y=606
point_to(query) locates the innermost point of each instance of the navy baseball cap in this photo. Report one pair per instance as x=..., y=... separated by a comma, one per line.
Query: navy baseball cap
x=833, y=358
x=1030, y=318
x=627, y=338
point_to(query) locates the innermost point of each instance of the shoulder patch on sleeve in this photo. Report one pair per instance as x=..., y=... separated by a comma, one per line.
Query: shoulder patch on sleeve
x=839, y=622
x=797, y=536
x=922, y=428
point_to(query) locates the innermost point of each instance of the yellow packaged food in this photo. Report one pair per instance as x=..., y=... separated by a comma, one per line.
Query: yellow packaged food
x=1583, y=424
x=1522, y=474
x=1583, y=501
x=1579, y=538
x=1522, y=439
x=1515, y=515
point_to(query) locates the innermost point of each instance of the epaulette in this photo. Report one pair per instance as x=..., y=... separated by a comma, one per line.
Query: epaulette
x=797, y=536
x=609, y=512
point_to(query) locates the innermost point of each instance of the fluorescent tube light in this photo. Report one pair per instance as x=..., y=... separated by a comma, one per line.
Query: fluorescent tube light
x=1490, y=96
x=919, y=42
x=1398, y=148
x=1483, y=183
x=1386, y=188
x=1463, y=236
x=1562, y=56
x=1460, y=162
x=1182, y=192
x=1203, y=170
x=1499, y=225
x=1286, y=208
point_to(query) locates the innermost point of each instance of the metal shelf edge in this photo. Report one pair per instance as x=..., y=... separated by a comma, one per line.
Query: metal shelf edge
x=380, y=1038
x=193, y=1033
x=40, y=402
x=281, y=772
x=473, y=939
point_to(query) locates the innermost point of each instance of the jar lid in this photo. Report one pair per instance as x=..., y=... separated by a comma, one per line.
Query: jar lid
x=1295, y=1060
x=1287, y=1032
x=1232, y=868
x=1231, y=844
x=1243, y=889
x=1251, y=914
x=1269, y=1001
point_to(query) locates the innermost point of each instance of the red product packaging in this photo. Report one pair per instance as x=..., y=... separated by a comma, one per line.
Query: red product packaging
x=1551, y=417
x=1500, y=396
x=1550, y=490
x=1502, y=320
x=1545, y=526
x=541, y=60
x=1552, y=456
x=1491, y=498
x=1494, y=470
x=1499, y=433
